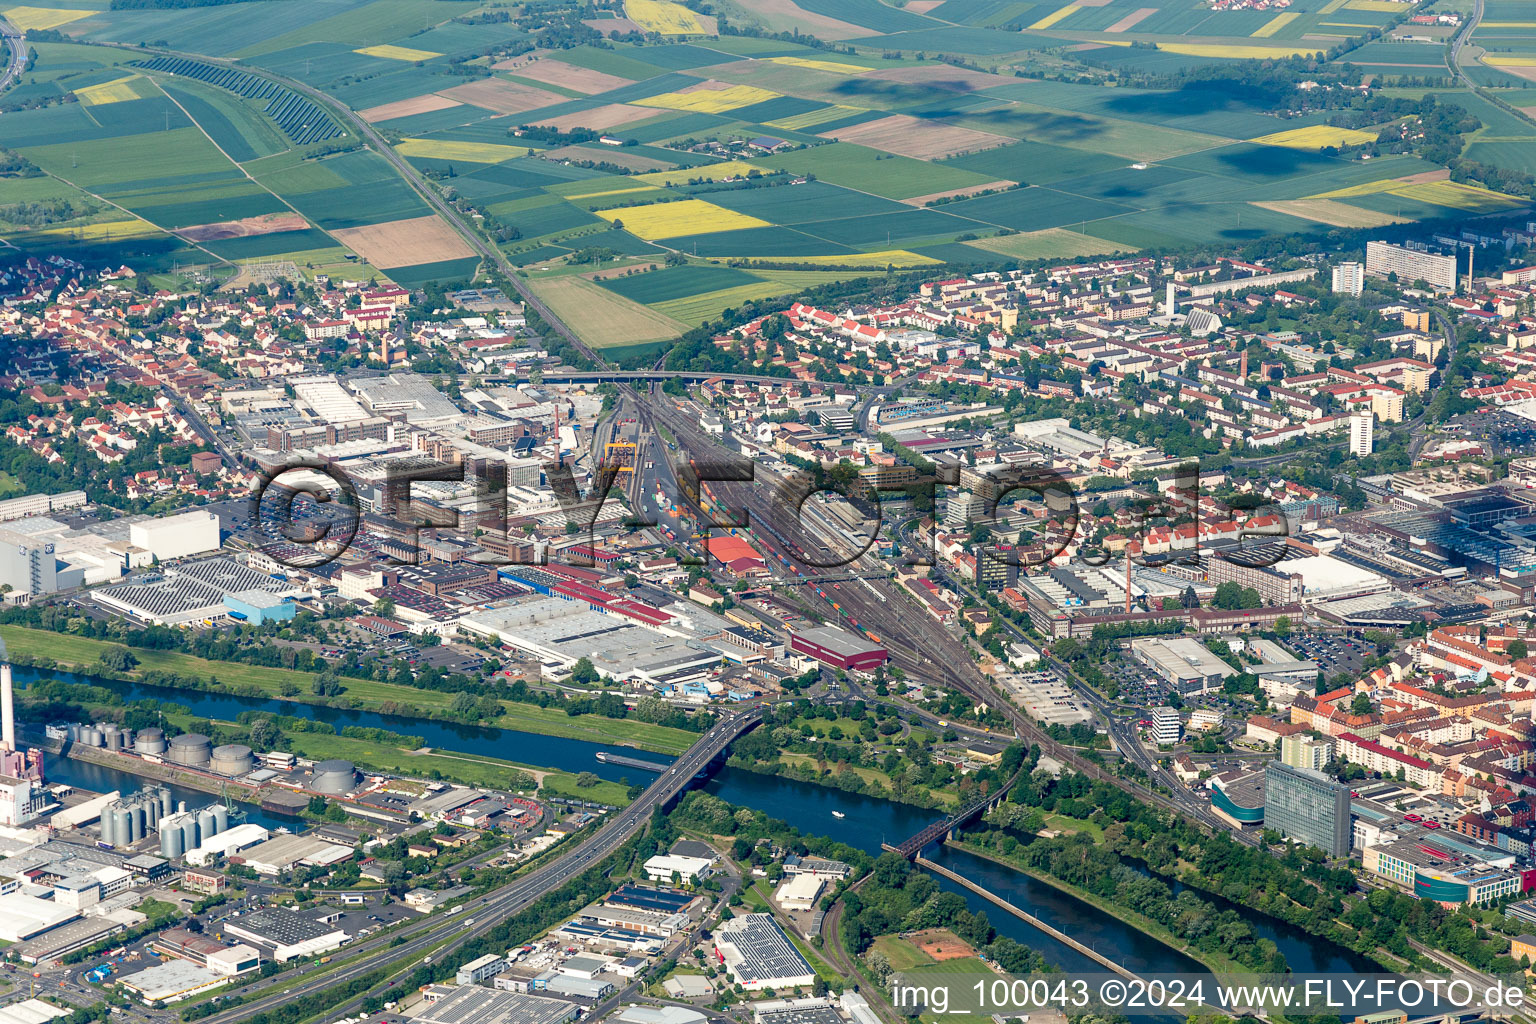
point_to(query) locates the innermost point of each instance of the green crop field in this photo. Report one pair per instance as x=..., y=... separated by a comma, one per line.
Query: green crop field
x=886, y=154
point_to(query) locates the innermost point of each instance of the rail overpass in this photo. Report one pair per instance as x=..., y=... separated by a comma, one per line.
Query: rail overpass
x=440, y=935
x=914, y=845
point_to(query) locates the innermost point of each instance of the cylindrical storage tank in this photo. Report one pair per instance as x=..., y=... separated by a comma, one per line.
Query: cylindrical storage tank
x=221, y=818
x=150, y=741
x=191, y=749
x=106, y=827
x=74, y=731
x=181, y=807
x=138, y=821
x=134, y=835
x=127, y=735
x=90, y=736
x=334, y=777
x=122, y=833
x=189, y=836
x=206, y=828
x=112, y=738
x=166, y=807
x=231, y=759
x=171, y=845
x=152, y=812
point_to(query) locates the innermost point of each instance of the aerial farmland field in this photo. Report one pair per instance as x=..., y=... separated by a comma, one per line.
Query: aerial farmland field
x=745, y=158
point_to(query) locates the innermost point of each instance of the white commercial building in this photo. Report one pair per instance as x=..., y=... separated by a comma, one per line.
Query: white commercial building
x=286, y=933
x=23, y=916
x=799, y=892
x=1165, y=726
x=172, y=981
x=227, y=842
x=757, y=954
x=661, y=867
x=190, y=533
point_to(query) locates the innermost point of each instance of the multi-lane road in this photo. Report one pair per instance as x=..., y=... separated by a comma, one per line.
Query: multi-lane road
x=440, y=935
x=16, y=55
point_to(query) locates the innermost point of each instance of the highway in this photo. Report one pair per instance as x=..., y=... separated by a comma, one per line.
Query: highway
x=490, y=911
x=16, y=62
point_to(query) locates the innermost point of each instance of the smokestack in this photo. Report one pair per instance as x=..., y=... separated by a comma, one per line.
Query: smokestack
x=7, y=710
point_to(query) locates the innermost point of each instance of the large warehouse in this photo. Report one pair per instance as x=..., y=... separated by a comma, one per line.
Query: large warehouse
x=475, y=1004
x=190, y=533
x=285, y=933
x=1182, y=662
x=757, y=954
x=839, y=648
x=23, y=916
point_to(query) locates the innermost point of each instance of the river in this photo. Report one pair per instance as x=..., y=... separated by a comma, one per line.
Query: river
x=866, y=823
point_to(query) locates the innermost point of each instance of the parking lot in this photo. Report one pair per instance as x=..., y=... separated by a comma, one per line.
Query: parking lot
x=1333, y=654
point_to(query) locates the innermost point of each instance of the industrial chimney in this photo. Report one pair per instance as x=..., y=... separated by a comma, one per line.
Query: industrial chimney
x=7, y=703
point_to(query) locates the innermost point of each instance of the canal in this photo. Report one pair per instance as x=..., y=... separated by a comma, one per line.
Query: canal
x=866, y=822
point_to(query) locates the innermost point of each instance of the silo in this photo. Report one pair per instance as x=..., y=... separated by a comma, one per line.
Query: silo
x=190, y=749
x=121, y=829
x=221, y=817
x=149, y=741
x=134, y=835
x=107, y=835
x=205, y=824
x=90, y=736
x=231, y=759
x=334, y=777
x=151, y=813
x=171, y=845
x=138, y=819
x=189, y=837
x=165, y=795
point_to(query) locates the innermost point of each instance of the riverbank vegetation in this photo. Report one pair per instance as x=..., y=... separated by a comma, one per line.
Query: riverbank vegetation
x=1297, y=885
x=500, y=703
x=867, y=749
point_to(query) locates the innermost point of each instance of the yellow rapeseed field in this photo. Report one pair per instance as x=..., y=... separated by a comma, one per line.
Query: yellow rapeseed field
x=1055, y=16
x=396, y=52
x=1274, y=25
x=684, y=217
x=708, y=172
x=454, y=149
x=836, y=67
x=667, y=18
x=1379, y=6
x=709, y=101
x=1454, y=194
x=1315, y=137
x=28, y=18
x=885, y=257
x=812, y=118
x=1504, y=61
x=115, y=229
x=613, y=192
x=115, y=91
x=1274, y=51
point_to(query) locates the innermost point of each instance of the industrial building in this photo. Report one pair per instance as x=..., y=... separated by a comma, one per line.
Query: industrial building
x=474, y=1004
x=23, y=916
x=285, y=933
x=1307, y=807
x=178, y=536
x=259, y=607
x=196, y=592
x=663, y=866
x=757, y=954
x=171, y=981
x=839, y=648
x=282, y=853
x=1182, y=662
x=799, y=892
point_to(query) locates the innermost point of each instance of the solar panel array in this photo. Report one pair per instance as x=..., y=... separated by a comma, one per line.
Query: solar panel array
x=301, y=119
x=765, y=952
